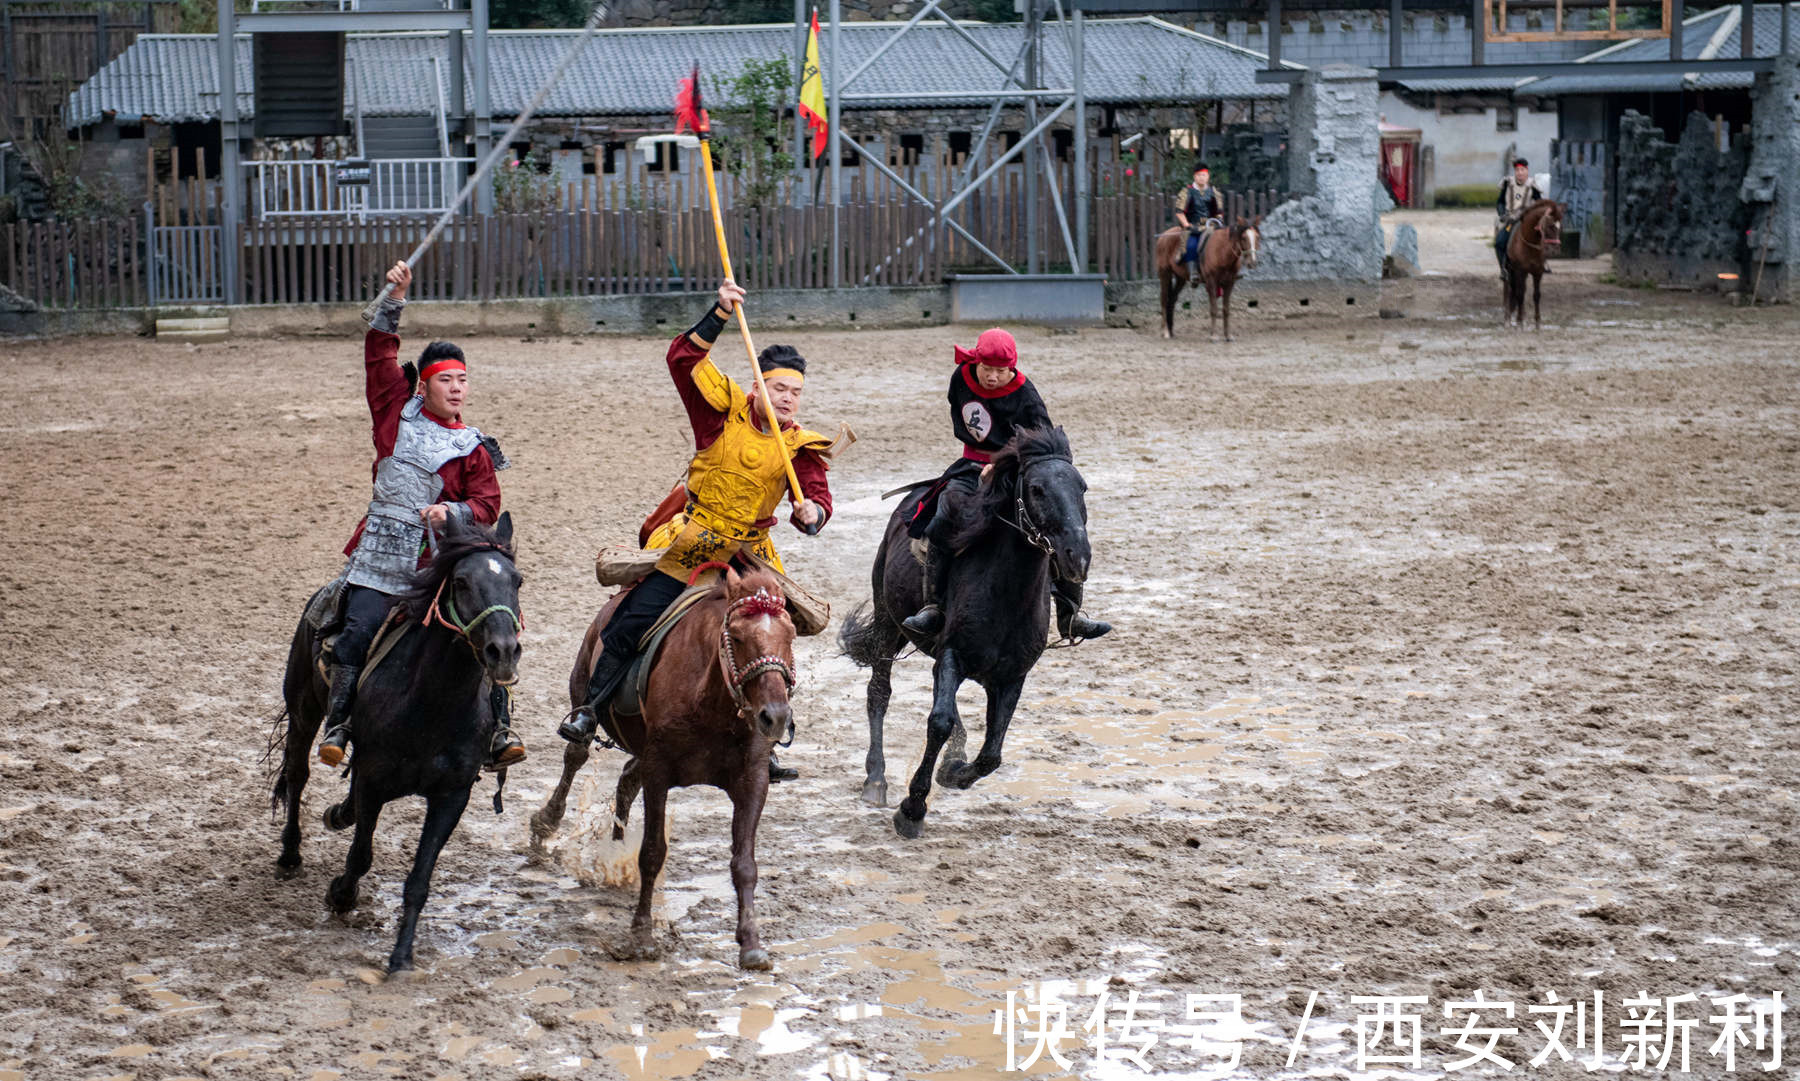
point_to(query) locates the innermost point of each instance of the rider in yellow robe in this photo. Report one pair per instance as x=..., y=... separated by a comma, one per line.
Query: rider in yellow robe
x=735, y=482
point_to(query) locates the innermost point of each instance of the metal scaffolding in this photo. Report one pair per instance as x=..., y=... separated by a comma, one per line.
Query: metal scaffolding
x=1021, y=80
x=451, y=17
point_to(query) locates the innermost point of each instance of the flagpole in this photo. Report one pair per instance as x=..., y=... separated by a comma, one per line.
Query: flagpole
x=801, y=160
x=688, y=110
x=833, y=148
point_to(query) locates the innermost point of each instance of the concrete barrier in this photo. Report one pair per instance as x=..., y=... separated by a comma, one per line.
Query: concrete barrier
x=772, y=312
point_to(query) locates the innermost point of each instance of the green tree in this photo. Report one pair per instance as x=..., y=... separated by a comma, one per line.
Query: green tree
x=749, y=129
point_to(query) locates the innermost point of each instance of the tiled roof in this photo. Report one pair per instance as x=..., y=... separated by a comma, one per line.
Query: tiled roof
x=174, y=77
x=1698, y=34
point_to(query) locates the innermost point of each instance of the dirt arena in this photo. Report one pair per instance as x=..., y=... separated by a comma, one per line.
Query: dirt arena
x=1450, y=662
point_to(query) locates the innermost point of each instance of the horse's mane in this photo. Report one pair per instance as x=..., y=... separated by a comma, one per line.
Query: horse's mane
x=996, y=492
x=459, y=541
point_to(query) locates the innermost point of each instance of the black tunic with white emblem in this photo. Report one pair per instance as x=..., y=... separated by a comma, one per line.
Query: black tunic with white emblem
x=986, y=420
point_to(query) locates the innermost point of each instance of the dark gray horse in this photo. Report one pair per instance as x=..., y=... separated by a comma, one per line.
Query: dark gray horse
x=422, y=720
x=1029, y=512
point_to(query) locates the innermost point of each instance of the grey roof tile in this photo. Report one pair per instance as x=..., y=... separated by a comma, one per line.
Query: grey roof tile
x=174, y=77
x=1697, y=33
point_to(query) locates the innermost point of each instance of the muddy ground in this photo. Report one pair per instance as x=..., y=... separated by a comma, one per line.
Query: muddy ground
x=1450, y=662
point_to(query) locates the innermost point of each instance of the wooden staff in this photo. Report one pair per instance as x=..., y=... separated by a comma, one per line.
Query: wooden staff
x=689, y=113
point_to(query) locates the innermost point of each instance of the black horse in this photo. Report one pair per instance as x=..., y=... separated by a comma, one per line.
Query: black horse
x=1029, y=512
x=422, y=720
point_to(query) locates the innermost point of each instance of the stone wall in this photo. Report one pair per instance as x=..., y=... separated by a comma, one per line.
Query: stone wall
x=1333, y=231
x=1679, y=220
x=1768, y=190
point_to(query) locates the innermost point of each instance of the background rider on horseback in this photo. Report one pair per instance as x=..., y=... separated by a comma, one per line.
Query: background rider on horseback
x=734, y=484
x=1517, y=192
x=1198, y=208
x=431, y=470
x=990, y=402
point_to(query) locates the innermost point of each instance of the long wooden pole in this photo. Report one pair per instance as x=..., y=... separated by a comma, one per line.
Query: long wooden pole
x=762, y=391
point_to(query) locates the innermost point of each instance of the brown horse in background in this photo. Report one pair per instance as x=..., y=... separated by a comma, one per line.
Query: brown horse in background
x=1220, y=266
x=1527, y=252
x=717, y=702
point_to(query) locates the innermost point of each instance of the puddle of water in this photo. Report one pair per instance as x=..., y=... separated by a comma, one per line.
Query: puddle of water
x=531, y=977
x=666, y=1056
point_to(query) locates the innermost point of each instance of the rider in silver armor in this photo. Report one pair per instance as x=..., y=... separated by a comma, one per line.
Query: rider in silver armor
x=431, y=470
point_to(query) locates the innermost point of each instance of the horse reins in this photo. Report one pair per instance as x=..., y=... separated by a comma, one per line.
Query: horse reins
x=1028, y=528
x=763, y=603
x=453, y=622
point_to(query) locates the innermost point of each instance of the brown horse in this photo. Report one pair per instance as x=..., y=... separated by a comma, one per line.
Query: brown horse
x=1539, y=229
x=1220, y=265
x=717, y=702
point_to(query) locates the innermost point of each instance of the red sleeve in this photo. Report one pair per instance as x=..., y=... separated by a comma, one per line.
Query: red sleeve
x=706, y=421
x=809, y=470
x=471, y=479
x=385, y=386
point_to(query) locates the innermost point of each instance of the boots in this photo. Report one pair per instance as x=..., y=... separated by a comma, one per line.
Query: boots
x=929, y=620
x=337, y=716
x=507, y=749
x=1070, y=623
x=585, y=723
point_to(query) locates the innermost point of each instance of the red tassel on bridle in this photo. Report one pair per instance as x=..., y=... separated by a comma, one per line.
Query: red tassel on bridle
x=689, y=114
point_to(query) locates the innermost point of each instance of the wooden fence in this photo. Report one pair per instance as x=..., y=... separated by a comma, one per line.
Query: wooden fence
x=579, y=252
x=96, y=263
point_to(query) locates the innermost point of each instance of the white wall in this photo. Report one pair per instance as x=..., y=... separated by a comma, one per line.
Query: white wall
x=1466, y=148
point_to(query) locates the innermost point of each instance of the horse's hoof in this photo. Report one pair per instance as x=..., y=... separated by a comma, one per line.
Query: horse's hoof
x=543, y=826
x=1229, y=338
x=949, y=768
x=285, y=870
x=756, y=960
x=908, y=828
x=875, y=793
x=336, y=820
x=339, y=900
x=964, y=777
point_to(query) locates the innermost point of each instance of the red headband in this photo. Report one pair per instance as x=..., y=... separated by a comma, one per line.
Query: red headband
x=995, y=348
x=442, y=364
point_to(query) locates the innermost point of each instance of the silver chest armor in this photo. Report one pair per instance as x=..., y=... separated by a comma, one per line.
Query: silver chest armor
x=406, y=482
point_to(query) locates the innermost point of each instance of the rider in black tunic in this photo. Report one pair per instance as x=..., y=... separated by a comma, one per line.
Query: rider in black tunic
x=990, y=402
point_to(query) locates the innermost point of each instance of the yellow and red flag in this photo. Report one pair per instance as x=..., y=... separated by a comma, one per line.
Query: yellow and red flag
x=812, y=91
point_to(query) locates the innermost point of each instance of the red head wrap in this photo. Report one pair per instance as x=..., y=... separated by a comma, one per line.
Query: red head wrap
x=995, y=348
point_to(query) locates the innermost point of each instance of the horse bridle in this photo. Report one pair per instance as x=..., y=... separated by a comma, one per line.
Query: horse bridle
x=1026, y=527
x=453, y=622
x=762, y=602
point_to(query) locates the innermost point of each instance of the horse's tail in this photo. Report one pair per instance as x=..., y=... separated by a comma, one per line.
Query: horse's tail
x=293, y=683
x=861, y=637
x=276, y=750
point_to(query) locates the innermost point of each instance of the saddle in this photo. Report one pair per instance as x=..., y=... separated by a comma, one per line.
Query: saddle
x=628, y=700
x=622, y=565
x=325, y=617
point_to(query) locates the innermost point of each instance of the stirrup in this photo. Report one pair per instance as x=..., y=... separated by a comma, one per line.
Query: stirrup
x=507, y=751
x=1080, y=628
x=582, y=725
x=331, y=748
x=927, y=620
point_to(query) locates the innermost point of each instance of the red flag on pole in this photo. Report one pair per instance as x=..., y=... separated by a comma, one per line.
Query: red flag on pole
x=689, y=114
